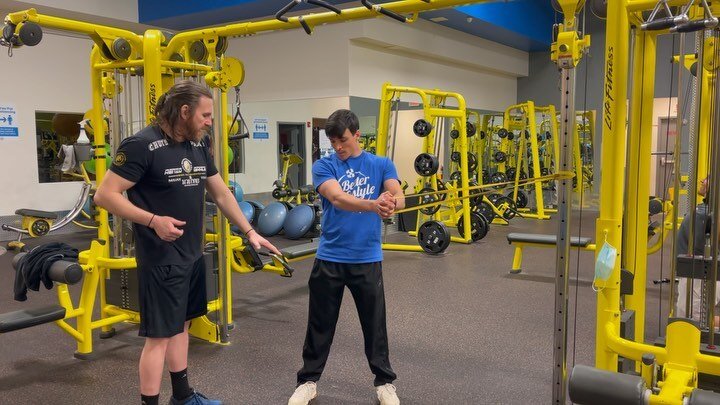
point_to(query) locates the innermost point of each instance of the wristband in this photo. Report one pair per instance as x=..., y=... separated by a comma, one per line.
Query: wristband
x=249, y=230
x=151, y=219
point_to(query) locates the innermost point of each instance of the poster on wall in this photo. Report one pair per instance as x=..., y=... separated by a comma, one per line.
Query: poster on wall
x=260, y=128
x=8, y=122
x=326, y=148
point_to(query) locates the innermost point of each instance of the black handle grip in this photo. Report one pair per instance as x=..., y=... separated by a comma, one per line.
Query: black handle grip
x=280, y=14
x=326, y=5
x=695, y=25
x=388, y=13
x=238, y=136
x=305, y=26
x=659, y=24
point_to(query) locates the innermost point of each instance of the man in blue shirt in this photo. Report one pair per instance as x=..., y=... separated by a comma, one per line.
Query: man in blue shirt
x=358, y=190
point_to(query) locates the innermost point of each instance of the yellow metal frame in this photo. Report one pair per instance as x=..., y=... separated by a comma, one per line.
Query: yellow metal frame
x=680, y=359
x=160, y=58
x=432, y=102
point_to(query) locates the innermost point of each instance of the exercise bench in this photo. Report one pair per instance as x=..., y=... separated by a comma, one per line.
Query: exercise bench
x=521, y=240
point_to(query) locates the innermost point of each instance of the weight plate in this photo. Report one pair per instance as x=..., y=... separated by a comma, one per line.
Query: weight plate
x=485, y=209
x=456, y=176
x=454, y=134
x=428, y=198
x=433, y=237
x=426, y=164
x=521, y=201
x=472, y=162
x=506, y=206
x=499, y=156
x=455, y=156
x=471, y=129
x=502, y=133
x=422, y=128
x=478, y=226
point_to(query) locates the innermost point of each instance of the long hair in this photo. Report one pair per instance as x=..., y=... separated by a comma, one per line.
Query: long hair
x=168, y=106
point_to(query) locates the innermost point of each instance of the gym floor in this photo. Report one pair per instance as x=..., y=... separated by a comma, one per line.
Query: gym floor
x=462, y=331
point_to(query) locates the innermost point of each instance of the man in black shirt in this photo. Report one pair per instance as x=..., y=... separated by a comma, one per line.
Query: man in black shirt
x=165, y=169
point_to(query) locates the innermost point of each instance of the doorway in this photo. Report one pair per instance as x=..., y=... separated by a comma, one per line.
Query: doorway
x=318, y=127
x=291, y=140
x=665, y=162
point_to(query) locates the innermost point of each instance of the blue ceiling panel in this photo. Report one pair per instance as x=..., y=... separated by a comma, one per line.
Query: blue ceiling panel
x=521, y=24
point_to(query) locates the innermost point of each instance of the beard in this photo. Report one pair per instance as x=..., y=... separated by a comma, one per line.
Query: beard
x=194, y=133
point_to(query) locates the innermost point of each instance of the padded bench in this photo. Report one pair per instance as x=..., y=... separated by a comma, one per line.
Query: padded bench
x=520, y=240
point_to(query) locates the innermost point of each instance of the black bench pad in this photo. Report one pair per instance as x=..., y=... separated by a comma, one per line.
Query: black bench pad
x=36, y=213
x=546, y=239
x=293, y=252
x=26, y=318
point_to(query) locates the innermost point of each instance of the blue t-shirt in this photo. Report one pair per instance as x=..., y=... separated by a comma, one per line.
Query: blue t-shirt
x=352, y=237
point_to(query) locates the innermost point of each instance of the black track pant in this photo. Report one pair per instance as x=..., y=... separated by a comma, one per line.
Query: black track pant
x=327, y=283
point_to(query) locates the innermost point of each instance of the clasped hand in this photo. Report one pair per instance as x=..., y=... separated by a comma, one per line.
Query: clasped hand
x=385, y=205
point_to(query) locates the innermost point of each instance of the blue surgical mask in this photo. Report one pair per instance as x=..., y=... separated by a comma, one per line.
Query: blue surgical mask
x=605, y=262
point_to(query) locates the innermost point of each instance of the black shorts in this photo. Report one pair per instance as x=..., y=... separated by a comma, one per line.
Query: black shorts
x=169, y=296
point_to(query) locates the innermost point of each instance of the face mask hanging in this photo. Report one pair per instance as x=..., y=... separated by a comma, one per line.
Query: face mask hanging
x=604, y=264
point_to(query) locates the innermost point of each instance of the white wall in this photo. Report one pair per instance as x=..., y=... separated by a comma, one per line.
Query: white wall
x=291, y=65
x=53, y=76
x=261, y=155
x=125, y=10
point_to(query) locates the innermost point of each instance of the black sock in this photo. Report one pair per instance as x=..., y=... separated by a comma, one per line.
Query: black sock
x=180, y=387
x=149, y=399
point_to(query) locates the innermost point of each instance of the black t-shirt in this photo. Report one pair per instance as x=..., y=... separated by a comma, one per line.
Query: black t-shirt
x=169, y=180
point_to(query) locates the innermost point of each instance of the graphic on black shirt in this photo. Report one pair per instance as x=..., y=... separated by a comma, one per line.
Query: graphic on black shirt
x=169, y=181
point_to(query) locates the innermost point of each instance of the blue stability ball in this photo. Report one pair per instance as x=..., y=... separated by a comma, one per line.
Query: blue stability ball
x=272, y=218
x=258, y=209
x=299, y=221
x=248, y=211
x=237, y=189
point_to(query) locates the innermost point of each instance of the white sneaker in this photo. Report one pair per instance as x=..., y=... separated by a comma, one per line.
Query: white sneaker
x=387, y=394
x=303, y=394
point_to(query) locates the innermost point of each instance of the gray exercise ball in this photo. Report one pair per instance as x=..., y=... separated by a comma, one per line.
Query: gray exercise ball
x=299, y=221
x=271, y=219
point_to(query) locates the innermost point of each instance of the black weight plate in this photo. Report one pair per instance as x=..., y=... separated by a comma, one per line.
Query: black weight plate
x=498, y=177
x=455, y=156
x=493, y=197
x=472, y=162
x=485, y=209
x=506, y=206
x=521, y=201
x=426, y=164
x=471, y=129
x=510, y=173
x=433, y=237
x=499, y=156
x=428, y=198
x=478, y=226
x=454, y=134
x=482, y=135
x=511, y=136
x=422, y=128
x=30, y=33
x=502, y=132
x=456, y=176
x=441, y=187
